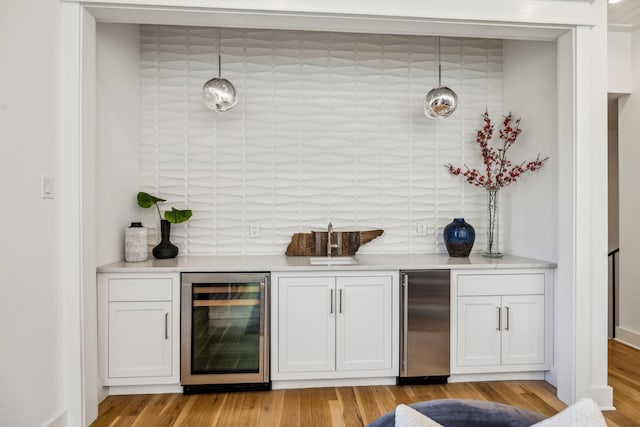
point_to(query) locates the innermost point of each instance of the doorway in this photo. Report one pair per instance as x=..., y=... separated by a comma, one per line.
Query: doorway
x=613, y=249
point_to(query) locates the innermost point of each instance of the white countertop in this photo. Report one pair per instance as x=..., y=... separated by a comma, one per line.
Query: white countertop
x=301, y=263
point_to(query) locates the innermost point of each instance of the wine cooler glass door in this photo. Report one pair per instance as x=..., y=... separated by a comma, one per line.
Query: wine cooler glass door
x=226, y=316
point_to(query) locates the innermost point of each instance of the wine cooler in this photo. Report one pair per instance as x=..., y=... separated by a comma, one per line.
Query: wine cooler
x=224, y=342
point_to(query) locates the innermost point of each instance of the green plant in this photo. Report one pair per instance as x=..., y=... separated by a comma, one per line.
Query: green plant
x=174, y=216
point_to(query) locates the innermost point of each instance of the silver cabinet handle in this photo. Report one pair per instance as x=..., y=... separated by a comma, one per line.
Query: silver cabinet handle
x=331, y=301
x=166, y=326
x=340, y=301
x=506, y=328
x=499, y=319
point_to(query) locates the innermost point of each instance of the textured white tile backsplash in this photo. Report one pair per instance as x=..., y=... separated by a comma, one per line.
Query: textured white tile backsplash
x=328, y=127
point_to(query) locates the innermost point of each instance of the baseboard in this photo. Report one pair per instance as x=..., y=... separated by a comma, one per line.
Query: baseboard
x=59, y=421
x=332, y=382
x=103, y=393
x=498, y=376
x=603, y=396
x=551, y=376
x=627, y=336
x=145, y=389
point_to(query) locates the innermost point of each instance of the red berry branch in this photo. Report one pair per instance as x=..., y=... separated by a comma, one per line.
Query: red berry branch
x=499, y=171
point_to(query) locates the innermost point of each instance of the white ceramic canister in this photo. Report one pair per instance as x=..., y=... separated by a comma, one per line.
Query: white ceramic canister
x=135, y=243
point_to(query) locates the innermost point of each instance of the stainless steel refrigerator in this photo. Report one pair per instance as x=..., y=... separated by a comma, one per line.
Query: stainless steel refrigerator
x=425, y=326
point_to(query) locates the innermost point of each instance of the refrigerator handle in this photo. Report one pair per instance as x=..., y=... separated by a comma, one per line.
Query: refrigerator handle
x=265, y=328
x=404, y=325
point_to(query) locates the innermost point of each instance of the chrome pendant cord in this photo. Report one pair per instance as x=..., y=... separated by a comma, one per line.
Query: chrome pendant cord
x=439, y=65
x=219, y=57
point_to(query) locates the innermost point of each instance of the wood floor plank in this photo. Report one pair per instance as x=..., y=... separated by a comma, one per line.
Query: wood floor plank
x=358, y=406
x=349, y=409
x=511, y=393
x=291, y=409
x=204, y=410
x=241, y=407
x=161, y=411
x=150, y=414
x=400, y=394
x=460, y=391
x=367, y=405
x=131, y=411
x=272, y=408
x=314, y=406
x=170, y=413
x=110, y=409
x=336, y=414
x=187, y=409
x=532, y=398
x=383, y=399
x=544, y=395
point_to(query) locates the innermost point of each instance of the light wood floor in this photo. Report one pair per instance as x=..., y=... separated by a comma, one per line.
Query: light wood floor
x=358, y=406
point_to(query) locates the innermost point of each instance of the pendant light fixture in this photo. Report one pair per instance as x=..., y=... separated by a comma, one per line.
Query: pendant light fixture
x=441, y=101
x=218, y=93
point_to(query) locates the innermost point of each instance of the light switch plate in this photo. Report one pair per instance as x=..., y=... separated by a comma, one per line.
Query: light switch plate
x=421, y=228
x=254, y=230
x=47, y=187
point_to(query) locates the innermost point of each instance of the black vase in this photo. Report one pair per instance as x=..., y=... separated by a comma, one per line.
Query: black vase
x=459, y=237
x=165, y=248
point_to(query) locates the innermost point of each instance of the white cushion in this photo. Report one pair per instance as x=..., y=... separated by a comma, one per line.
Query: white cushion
x=583, y=413
x=409, y=417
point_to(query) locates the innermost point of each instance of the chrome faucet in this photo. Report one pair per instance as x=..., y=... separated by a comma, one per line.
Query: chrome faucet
x=329, y=244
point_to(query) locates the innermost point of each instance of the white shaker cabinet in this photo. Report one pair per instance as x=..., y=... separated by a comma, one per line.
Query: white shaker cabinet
x=501, y=321
x=306, y=324
x=334, y=325
x=138, y=323
x=363, y=323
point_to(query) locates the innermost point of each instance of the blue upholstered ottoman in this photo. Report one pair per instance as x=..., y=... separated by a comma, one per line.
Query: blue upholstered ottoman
x=468, y=413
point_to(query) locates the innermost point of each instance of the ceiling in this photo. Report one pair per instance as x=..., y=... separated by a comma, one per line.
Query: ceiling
x=624, y=15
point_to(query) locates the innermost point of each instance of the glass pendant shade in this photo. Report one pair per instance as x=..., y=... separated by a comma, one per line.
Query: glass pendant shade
x=218, y=93
x=441, y=101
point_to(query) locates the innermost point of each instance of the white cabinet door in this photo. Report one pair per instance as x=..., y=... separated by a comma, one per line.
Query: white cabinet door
x=306, y=324
x=140, y=339
x=523, y=329
x=363, y=323
x=479, y=330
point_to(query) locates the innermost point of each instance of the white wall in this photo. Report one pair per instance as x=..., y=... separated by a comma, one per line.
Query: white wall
x=31, y=359
x=530, y=93
x=629, y=205
x=329, y=127
x=619, y=62
x=118, y=136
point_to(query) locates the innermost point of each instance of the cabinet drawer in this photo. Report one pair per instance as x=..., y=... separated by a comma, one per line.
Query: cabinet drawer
x=151, y=289
x=500, y=284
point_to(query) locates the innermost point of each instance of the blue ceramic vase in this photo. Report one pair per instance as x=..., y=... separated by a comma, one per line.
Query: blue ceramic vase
x=459, y=237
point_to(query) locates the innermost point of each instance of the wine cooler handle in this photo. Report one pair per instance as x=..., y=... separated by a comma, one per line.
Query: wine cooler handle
x=166, y=326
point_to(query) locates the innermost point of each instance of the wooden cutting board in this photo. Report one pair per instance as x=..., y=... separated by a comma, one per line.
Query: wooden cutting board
x=304, y=244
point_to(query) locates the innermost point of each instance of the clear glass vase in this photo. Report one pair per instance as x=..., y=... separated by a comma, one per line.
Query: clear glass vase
x=493, y=225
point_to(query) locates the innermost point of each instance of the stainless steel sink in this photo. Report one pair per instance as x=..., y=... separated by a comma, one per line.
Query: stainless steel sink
x=332, y=260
